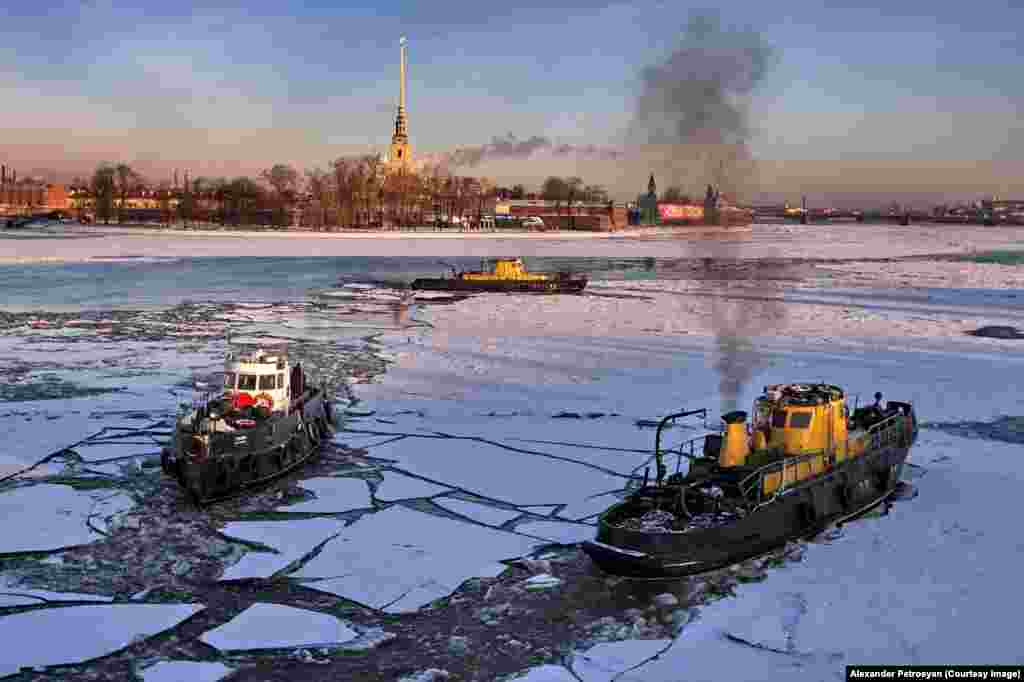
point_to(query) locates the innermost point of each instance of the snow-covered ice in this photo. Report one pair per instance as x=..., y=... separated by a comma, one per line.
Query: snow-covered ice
x=333, y=494
x=396, y=486
x=492, y=516
x=185, y=671
x=555, y=531
x=98, y=630
x=494, y=472
x=48, y=516
x=292, y=540
x=398, y=560
x=274, y=626
x=604, y=662
x=12, y=593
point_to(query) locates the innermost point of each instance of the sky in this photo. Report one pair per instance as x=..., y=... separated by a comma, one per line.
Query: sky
x=234, y=88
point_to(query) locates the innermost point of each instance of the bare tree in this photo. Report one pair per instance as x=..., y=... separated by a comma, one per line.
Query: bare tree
x=319, y=184
x=284, y=180
x=103, y=189
x=125, y=179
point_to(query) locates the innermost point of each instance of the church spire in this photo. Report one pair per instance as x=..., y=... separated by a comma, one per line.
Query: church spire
x=400, y=151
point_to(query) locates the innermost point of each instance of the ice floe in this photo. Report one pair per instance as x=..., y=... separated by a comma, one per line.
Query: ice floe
x=562, y=533
x=47, y=516
x=12, y=593
x=398, y=560
x=97, y=631
x=292, y=540
x=273, y=626
x=333, y=494
x=182, y=671
x=495, y=472
x=396, y=486
x=493, y=516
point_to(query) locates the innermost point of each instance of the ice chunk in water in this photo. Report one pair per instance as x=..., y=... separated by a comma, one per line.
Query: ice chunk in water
x=399, y=559
x=33, y=638
x=273, y=626
x=193, y=671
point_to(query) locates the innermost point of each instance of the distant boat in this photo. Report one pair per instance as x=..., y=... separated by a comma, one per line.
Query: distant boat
x=507, y=275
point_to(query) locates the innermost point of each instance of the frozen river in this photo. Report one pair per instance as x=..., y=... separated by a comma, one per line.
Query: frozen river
x=477, y=432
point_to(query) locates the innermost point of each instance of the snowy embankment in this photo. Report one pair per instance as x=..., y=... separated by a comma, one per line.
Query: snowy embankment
x=761, y=241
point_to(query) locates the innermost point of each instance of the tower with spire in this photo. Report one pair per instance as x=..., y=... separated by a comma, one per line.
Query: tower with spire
x=400, y=153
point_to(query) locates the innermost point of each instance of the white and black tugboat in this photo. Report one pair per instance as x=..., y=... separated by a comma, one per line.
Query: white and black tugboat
x=802, y=464
x=269, y=420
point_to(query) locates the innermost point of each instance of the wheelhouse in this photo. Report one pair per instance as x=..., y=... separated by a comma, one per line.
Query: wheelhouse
x=259, y=379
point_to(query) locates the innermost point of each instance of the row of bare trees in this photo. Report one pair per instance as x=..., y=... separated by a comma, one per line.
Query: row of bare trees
x=354, y=191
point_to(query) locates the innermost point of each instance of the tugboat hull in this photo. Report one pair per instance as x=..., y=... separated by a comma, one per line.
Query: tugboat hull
x=804, y=510
x=243, y=459
x=555, y=286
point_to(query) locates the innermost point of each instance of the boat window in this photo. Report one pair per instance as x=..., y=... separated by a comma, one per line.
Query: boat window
x=280, y=381
x=267, y=382
x=246, y=382
x=778, y=419
x=229, y=379
x=800, y=420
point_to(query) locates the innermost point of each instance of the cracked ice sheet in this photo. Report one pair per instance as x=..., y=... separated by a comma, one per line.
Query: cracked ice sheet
x=398, y=560
x=29, y=638
x=588, y=508
x=274, y=626
x=497, y=473
x=292, y=539
x=193, y=671
x=47, y=516
x=902, y=588
x=483, y=513
x=562, y=533
x=644, y=377
x=396, y=486
x=12, y=594
x=333, y=494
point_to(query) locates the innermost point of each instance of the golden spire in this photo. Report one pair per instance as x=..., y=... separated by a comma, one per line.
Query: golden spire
x=400, y=151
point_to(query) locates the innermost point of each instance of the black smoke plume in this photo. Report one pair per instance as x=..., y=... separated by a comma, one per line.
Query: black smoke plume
x=693, y=108
x=692, y=114
x=510, y=147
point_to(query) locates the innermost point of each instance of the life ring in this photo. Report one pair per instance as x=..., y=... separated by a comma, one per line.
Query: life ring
x=265, y=400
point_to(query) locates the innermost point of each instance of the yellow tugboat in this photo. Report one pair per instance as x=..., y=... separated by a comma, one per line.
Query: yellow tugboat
x=802, y=464
x=506, y=275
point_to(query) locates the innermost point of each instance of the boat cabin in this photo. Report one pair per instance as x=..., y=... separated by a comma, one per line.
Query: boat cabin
x=258, y=379
x=807, y=428
x=504, y=269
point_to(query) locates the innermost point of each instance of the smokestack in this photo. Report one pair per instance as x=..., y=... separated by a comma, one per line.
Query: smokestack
x=736, y=446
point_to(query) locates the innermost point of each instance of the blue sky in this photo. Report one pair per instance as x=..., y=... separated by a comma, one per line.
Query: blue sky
x=915, y=80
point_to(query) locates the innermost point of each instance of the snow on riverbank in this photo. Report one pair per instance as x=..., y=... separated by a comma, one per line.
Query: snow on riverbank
x=793, y=241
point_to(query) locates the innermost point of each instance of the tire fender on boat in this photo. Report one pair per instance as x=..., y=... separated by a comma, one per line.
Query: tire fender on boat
x=313, y=432
x=808, y=512
x=845, y=491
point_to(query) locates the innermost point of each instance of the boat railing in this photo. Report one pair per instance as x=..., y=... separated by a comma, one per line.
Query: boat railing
x=887, y=432
x=687, y=449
